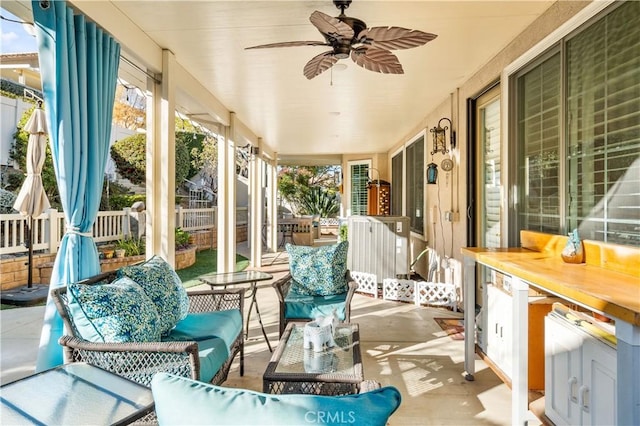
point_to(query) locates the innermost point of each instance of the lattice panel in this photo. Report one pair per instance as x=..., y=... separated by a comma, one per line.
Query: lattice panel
x=400, y=290
x=439, y=294
x=367, y=283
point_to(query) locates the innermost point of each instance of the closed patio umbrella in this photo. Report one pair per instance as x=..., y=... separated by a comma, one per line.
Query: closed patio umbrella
x=32, y=201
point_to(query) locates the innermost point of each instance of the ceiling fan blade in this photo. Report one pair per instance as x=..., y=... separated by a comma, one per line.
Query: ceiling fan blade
x=378, y=60
x=319, y=64
x=394, y=37
x=290, y=44
x=330, y=26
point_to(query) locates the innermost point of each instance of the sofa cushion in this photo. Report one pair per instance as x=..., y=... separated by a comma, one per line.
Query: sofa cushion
x=318, y=271
x=304, y=306
x=212, y=354
x=114, y=312
x=181, y=401
x=226, y=325
x=161, y=283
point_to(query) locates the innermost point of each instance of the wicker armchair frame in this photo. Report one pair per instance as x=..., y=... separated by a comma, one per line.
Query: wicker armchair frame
x=140, y=361
x=282, y=289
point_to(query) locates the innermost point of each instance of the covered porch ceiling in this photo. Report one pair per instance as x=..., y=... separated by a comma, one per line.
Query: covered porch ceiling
x=348, y=111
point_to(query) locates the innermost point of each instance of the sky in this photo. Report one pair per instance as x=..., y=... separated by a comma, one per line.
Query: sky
x=14, y=38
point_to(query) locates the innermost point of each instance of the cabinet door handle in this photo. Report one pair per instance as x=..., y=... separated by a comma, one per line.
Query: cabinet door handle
x=573, y=382
x=501, y=332
x=496, y=328
x=584, y=398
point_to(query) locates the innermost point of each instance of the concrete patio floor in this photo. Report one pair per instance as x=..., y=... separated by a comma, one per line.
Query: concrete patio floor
x=401, y=346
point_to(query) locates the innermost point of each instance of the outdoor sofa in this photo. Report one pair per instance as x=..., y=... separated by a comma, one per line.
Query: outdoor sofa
x=139, y=320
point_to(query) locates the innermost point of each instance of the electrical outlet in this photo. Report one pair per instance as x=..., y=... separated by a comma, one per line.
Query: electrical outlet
x=451, y=216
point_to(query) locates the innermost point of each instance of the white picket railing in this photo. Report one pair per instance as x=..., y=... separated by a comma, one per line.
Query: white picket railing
x=49, y=227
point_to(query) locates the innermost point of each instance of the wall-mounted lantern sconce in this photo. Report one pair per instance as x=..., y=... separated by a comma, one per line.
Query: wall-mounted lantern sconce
x=251, y=150
x=432, y=173
x=440, y=137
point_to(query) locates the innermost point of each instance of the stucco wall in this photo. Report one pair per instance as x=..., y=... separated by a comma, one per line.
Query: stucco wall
x=450, y=236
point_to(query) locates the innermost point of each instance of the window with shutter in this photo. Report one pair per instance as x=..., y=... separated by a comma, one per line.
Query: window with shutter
x=359, y=173
x=396, y=184
x=415, y=185
x=578, y=132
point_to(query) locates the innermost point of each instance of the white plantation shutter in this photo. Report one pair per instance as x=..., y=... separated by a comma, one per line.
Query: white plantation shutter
x=578, y=134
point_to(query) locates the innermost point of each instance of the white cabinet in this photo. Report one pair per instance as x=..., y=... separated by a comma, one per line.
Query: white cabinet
x=580, y=376
x=499, y=330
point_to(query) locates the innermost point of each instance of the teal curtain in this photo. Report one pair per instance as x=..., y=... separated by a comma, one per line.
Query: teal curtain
x=79, y=68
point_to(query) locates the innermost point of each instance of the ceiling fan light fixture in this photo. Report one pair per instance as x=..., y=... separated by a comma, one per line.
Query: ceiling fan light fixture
x=369, y=48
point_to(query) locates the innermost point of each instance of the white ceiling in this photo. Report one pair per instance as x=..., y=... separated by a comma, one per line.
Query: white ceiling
x=359, y=111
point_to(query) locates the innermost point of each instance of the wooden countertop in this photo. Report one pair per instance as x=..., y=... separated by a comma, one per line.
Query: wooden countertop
x=612, y=292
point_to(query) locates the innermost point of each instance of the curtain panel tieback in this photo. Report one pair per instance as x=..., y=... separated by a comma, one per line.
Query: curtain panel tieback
x=76, y=230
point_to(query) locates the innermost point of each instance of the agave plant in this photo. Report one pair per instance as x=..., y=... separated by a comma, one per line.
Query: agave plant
x=319, y=201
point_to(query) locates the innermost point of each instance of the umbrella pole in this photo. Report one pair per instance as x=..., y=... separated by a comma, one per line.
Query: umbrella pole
x=30, y=245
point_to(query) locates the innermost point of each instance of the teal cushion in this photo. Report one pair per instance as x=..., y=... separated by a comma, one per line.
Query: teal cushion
x=116, y=312
x=181, y=401
x=161, y=283
x=310, y=307
x=212, y=354
x=226, y=325
x=319, y=271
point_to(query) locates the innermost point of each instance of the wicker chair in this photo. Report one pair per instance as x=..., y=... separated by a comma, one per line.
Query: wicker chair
x=140, y=361
x=282, y=287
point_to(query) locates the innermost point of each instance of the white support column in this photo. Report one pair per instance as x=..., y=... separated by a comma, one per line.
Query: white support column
x=255, y=207
x=272, y=205
x=227, y=200
x=161, y=153
x=469, y=300
x=520, y=351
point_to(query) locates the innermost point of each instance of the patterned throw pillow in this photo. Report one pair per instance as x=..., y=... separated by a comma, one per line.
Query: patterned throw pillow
x=163, y=286
x=318, y=271
x=115, y=312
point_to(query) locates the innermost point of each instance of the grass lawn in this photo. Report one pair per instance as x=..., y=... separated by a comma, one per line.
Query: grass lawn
x=206, y=263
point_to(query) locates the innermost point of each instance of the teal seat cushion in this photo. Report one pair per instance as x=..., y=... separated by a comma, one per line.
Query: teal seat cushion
x=304, y=306
x=319, y=271
x=114, y=312
x=212, y=354
x=181, y=401
x=226, y=325
x=161, y=283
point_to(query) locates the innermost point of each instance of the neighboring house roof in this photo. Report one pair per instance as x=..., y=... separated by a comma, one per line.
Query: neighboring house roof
x=22, y=68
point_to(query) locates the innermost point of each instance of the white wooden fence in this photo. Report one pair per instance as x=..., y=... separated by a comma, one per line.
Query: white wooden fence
x=49, y=228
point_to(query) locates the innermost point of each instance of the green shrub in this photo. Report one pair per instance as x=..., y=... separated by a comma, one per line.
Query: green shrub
x=129, y=154
x=182, y=239
x=343, y=232
x=131, y=246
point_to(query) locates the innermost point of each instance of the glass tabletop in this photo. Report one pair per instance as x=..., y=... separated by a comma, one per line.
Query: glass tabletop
x=229, y=278
x=74, y=394
x=337, y=360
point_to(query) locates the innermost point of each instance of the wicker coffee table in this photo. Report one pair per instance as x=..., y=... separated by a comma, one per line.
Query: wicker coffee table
x=334, y=371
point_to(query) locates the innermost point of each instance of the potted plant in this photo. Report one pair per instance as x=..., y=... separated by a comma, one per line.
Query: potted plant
x=130, y=247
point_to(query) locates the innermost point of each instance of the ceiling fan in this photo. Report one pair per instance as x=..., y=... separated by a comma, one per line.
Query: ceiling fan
x=347, y=36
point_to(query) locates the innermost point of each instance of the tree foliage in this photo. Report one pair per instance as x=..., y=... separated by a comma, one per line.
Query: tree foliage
x=129, y=154
x=310, y=189
x=129, y=108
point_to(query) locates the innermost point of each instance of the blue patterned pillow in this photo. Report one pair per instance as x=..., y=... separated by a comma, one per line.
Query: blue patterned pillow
x=163, y=286
x=318, y=271
x=115, y=312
